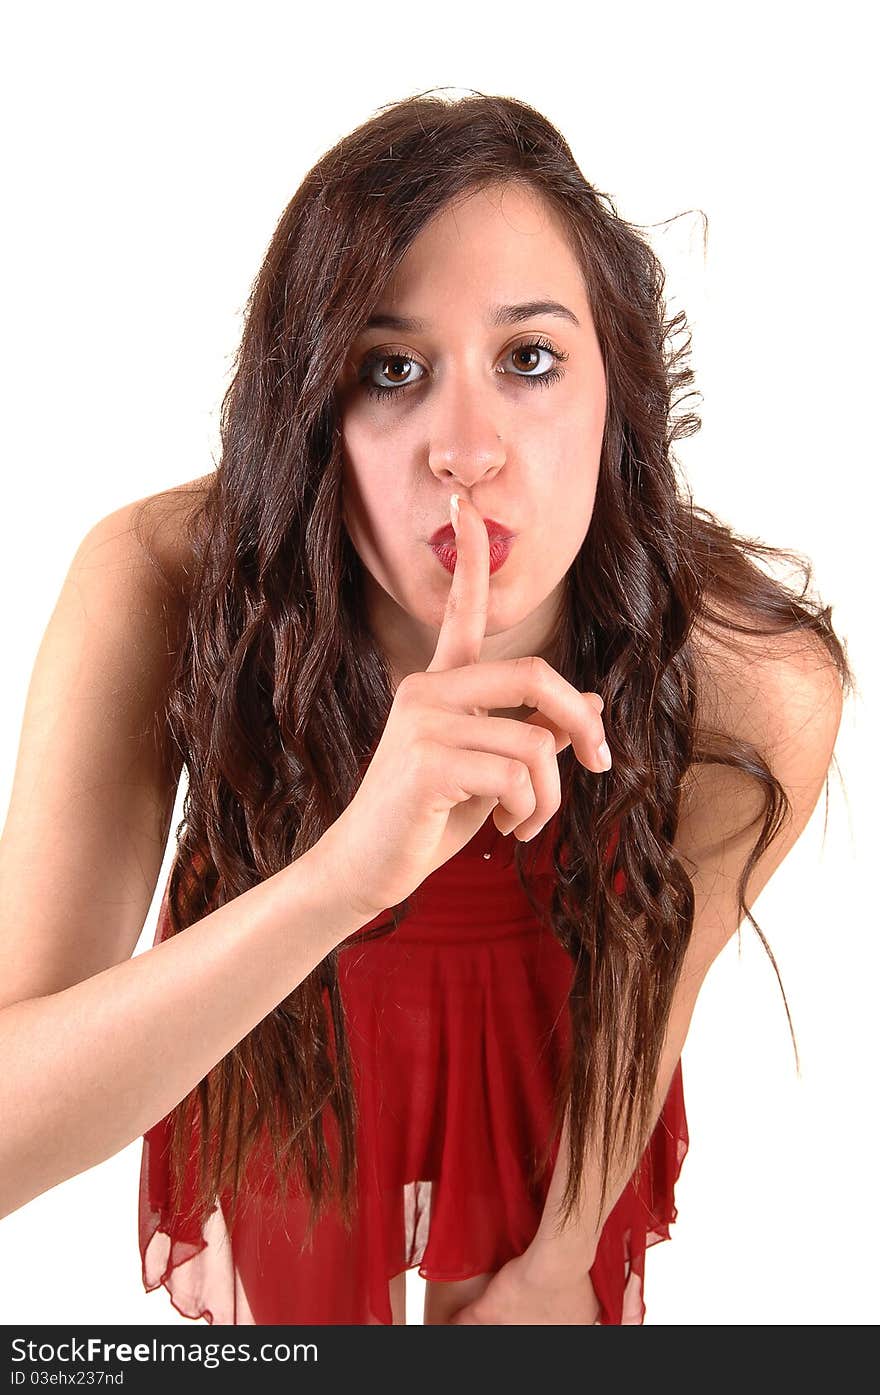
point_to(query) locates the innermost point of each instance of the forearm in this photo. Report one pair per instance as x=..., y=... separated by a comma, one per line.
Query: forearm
x=88, y=1070
x=571, y=1249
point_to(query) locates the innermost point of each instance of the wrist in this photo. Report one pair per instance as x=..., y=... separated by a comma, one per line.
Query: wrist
x=556, y=1258
x=344, y=914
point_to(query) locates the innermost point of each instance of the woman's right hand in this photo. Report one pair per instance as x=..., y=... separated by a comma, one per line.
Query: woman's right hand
x=442, y=763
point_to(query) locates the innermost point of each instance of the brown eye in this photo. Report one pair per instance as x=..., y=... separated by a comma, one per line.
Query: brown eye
x=527, y=350
x=398, y=364
x=396, y=367
x=533, y=350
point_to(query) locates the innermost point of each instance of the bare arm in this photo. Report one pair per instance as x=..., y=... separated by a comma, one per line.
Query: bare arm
x=792, y=709
x=88, y=1070
x=96, y=1047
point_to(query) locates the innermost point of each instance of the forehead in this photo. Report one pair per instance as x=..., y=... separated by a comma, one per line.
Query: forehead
x=499, y=243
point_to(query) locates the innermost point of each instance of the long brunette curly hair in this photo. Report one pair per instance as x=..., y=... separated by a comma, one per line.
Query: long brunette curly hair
x=280, y=691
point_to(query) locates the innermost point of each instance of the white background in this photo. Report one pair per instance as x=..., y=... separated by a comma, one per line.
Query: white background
x=149, y=153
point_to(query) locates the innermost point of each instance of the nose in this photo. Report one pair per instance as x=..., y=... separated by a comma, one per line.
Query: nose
x=465, y=444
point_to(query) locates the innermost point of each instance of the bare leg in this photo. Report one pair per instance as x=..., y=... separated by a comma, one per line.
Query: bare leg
x=397, y=1295
x=442, y=1300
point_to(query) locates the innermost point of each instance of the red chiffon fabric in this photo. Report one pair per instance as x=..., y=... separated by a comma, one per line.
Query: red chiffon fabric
x=458, y=1031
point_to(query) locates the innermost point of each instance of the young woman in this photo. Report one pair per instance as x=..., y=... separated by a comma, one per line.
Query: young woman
x=375, y=1030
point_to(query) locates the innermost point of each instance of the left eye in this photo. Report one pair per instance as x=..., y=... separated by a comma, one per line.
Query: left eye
x=398, y=358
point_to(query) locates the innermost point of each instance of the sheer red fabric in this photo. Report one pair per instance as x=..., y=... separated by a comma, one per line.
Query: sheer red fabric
x=458, y=1030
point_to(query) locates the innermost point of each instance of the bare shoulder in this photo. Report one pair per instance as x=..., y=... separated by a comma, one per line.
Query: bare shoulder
x=128, y=589
x=124, y=604
x=152, y=535
x=96, y=774
x=779, y=694
x=765, y=689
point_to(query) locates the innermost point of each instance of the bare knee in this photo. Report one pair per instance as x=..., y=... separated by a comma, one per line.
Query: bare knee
x=443, y=1299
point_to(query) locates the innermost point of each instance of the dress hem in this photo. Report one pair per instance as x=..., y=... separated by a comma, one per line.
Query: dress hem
x=653, y=1237
x=170, y=1270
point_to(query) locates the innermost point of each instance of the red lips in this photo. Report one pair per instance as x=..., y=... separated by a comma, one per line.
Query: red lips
x=446, y=534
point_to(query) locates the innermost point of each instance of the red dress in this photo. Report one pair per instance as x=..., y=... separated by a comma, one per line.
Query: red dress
x=458, y=1030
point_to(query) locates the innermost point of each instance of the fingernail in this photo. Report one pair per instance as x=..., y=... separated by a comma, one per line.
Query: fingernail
x=604, y=755
x=453, y=512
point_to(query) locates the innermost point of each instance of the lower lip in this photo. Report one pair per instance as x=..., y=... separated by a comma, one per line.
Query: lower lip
x=499, y=551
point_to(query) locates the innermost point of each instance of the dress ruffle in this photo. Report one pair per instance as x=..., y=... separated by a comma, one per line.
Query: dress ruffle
x=458, y=1030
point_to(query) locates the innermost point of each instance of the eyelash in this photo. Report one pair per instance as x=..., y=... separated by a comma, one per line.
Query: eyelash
x=551, y=375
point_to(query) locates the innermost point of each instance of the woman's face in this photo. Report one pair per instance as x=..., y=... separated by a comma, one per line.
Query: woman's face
x=473, y=406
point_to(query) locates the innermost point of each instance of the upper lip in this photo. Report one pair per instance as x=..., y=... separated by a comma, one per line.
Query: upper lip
x=496, y=531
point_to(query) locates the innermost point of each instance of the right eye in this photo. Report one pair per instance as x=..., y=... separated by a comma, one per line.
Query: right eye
x=390, y=362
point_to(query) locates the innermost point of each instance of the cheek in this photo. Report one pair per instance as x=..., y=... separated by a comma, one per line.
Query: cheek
x=370, y=465
x=361, y=486
x=570, y=481
x=563, y=507
x=375, y=518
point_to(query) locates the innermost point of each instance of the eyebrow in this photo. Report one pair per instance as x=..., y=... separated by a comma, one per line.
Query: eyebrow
x=498, y=315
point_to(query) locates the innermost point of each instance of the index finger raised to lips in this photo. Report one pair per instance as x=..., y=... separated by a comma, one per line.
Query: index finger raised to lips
x=463, y=628
x=503, y=685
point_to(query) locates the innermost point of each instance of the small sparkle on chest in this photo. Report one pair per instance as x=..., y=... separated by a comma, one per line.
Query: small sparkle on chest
x=487, y=855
